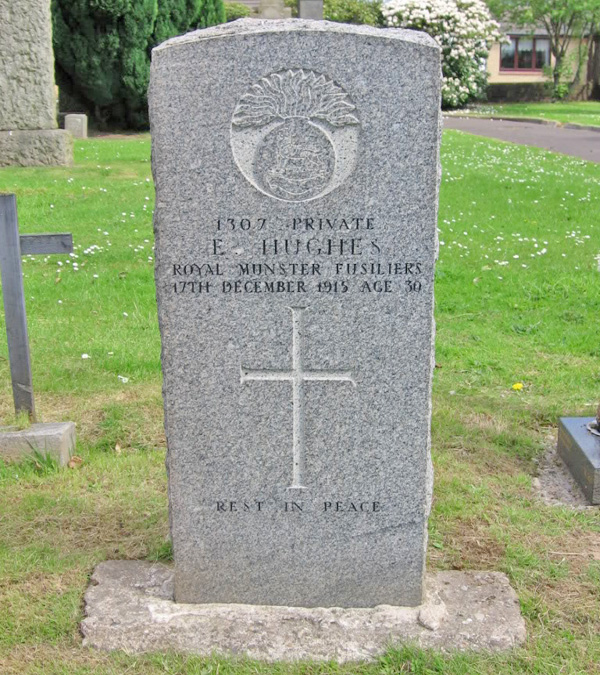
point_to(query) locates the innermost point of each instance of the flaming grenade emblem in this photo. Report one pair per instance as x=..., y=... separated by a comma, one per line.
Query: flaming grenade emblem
x=294, y=135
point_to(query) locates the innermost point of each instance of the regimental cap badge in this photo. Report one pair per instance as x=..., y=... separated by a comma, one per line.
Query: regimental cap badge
x=287, y=132
x=294, y=94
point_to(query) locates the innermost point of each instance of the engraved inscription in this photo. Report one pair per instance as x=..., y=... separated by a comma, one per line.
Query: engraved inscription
x=256, y=506
x=294, y=135
x=298, y=256
x=303, y=255
x=297, y=376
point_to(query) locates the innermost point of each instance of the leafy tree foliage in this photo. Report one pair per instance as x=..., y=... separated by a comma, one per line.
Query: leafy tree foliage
x=102, y=51
x=174, y=17
x=347, y=11
x=236, y=10
x=595, y=65
x=354, y=11
x=565, y=21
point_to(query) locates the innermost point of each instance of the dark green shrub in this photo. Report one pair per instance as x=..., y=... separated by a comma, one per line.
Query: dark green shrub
x=353, y=11
x=211, y=13
x=236, y=10
x=175, y=17
x=347, y=11
x=102, y=51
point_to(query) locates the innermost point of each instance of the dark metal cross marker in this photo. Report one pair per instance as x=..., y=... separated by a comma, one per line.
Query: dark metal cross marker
x=12, y=247
x=297, y=376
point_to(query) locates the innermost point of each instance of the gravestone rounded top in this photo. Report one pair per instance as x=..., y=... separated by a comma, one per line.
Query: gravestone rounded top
x=258, y=26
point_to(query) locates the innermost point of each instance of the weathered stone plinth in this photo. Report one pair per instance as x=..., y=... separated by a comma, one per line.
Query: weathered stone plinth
x=129, y=606
x=36, y=147
x=54, y=439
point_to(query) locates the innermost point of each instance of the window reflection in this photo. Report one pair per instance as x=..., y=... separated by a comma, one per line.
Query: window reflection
x=525, y=53
x=507, y=55
x=542, y=53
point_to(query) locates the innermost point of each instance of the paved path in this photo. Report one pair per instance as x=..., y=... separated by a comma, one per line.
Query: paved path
x=582, y=143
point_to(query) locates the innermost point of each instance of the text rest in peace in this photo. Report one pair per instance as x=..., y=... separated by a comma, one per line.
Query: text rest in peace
x=299, y=506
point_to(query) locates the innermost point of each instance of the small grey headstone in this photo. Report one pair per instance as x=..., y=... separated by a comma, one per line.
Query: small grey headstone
x=579, y=447
x=310, y=9
x=274, y=9
x=76, y=124
x=55, y=439
x=296, y=167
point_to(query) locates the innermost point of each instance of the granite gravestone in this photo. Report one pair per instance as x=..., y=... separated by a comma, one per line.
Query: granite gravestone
x=296, y=167
x=28, y=128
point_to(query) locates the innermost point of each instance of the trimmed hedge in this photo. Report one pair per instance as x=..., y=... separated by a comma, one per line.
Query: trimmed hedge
x=102, y=51
x=514, y=93
x=236, y=10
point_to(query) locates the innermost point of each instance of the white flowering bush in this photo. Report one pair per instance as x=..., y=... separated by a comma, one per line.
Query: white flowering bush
x=464, y=29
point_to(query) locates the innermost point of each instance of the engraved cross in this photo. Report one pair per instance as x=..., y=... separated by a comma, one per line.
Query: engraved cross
x=297, y=376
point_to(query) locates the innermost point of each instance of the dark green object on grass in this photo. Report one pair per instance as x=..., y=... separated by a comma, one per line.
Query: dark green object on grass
x=354, y=11
x=102, y=51
x=366, y=12
x=236, y=10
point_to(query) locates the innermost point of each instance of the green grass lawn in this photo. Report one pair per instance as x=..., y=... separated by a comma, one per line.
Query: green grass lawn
x=517, y=301
x=586, y=113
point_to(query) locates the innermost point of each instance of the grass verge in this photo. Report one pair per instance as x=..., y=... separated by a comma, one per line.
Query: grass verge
x=586, y=113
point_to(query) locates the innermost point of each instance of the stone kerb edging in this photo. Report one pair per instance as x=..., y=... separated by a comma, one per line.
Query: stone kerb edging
x=530, y=120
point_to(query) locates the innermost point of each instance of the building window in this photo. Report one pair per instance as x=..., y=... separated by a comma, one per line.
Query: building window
x=523, y=53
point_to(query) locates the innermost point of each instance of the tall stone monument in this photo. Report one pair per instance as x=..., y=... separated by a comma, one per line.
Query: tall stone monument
x=295, y=245
x=28, y=129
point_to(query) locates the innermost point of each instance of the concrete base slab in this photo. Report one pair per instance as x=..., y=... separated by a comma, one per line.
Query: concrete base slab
x=554, y=483
x=580, y=450
x=55, y=439
x=36, y=147
x=129, y=606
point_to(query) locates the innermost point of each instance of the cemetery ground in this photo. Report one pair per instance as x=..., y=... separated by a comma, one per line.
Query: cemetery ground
x=585, y=113
x=517, y=311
